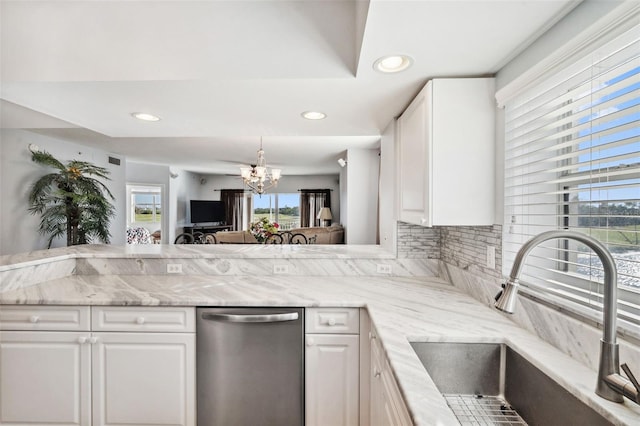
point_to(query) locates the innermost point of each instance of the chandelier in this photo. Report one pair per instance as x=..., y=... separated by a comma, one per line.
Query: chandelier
x=258, y=177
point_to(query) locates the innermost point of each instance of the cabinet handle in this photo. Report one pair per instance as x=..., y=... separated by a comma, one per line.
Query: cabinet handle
x=140, y=320
x=372, y=336
x=423, y=221
x=287, y=316
x=332, y=321
x=376, y=373
x=82, y=340
x=93, y=340
x=34, y=319
x=310, y=341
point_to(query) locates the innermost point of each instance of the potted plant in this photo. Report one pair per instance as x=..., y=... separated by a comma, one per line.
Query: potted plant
x=71, y=200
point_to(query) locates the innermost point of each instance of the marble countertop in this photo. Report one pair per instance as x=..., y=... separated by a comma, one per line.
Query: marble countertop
x=199, y=251
x=403, y=309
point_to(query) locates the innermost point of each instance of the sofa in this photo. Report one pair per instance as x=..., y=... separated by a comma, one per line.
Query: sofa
x=235, y=237
x=333, y=234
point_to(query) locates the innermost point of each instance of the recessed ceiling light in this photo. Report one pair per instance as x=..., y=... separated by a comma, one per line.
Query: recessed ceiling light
x=393, y=63
x=314, y=115
x=145, y=116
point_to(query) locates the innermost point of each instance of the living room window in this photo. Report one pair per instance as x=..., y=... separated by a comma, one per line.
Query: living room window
x=144, y=210
x=283, y=208
x=572, y=161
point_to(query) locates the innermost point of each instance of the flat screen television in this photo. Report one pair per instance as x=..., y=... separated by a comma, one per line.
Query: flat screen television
x=205, y=211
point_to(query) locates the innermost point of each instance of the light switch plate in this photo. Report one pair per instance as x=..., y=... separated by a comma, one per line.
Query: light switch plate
x=280, y=269
x=491, y=257
x=382, y=268
x=174, y=268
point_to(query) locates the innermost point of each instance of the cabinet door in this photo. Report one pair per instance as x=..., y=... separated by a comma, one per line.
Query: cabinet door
x=332, y=379
x=365, y=368
x=376, y=403
x=462, y=172
x=414, y=160
x=45, y=378
x=395, y=409
x=143, y=379
x=387, y=406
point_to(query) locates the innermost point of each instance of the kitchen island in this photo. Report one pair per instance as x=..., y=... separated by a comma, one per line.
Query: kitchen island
x=410, y=305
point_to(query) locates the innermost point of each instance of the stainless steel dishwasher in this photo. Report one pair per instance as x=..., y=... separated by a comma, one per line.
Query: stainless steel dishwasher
x=250, y=366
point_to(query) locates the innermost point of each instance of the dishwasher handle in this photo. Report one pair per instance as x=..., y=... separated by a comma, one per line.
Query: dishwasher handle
x=290, y=316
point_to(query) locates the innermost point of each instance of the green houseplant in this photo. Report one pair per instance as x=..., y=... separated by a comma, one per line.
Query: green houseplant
x=71, y=200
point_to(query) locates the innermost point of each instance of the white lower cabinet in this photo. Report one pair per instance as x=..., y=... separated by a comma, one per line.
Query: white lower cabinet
x=387, y=405
x=97, y=378
x=45, y=378
x=332, y=368
x=139, y=368
x=143, y=379
x=332, y=379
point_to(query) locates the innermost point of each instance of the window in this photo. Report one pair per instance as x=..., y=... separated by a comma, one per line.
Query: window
x=144, y=214
x=146, y=205
x=572, y=161
x=281, y=208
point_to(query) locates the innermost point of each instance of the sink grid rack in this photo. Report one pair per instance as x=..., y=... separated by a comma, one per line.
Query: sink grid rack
x=483, y=410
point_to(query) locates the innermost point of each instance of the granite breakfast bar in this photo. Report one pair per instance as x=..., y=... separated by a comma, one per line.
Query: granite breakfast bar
x=411, y=305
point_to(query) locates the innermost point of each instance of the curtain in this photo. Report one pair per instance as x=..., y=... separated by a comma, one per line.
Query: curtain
x=234, y=200
x=311, y=201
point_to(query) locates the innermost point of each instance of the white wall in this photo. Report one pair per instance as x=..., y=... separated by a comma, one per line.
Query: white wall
x=182, y=189
x=344, y=199
x=585, y=14
x=499, y=168
x=387, y=193
x=363, y=171
x=18, y=228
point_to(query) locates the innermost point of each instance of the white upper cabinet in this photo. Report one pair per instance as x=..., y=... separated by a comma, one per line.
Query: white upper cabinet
x=446, y=156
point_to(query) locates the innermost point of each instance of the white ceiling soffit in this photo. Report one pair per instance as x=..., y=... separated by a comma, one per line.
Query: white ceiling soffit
x=221, y=74
x=302, y=155
x=14, y=116
x=89, y=40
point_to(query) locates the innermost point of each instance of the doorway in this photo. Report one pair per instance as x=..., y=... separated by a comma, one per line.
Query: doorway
x=144, y=214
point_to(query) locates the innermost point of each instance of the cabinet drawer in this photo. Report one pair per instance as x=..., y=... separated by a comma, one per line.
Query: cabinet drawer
x=333, y=320
x=127, y=318
x=44, y=318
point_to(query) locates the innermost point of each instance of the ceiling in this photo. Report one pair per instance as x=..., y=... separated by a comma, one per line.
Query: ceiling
x=223, y=74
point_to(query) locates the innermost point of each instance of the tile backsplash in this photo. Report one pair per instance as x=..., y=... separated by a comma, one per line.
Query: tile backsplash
x=466, y=247
x=462, y=246
x=462, y=251
x=416, y=241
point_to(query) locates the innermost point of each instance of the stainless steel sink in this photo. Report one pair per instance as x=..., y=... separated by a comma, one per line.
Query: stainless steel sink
x=486, y=383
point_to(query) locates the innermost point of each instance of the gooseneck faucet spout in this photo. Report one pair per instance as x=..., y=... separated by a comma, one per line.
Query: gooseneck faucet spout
x=611, y=385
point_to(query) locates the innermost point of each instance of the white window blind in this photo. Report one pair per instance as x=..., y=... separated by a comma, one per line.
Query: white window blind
x=572, y=161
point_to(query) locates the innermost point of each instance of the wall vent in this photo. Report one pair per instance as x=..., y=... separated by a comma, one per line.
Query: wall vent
x=114, y=160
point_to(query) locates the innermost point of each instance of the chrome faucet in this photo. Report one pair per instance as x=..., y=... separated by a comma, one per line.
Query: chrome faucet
x=611, y=385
